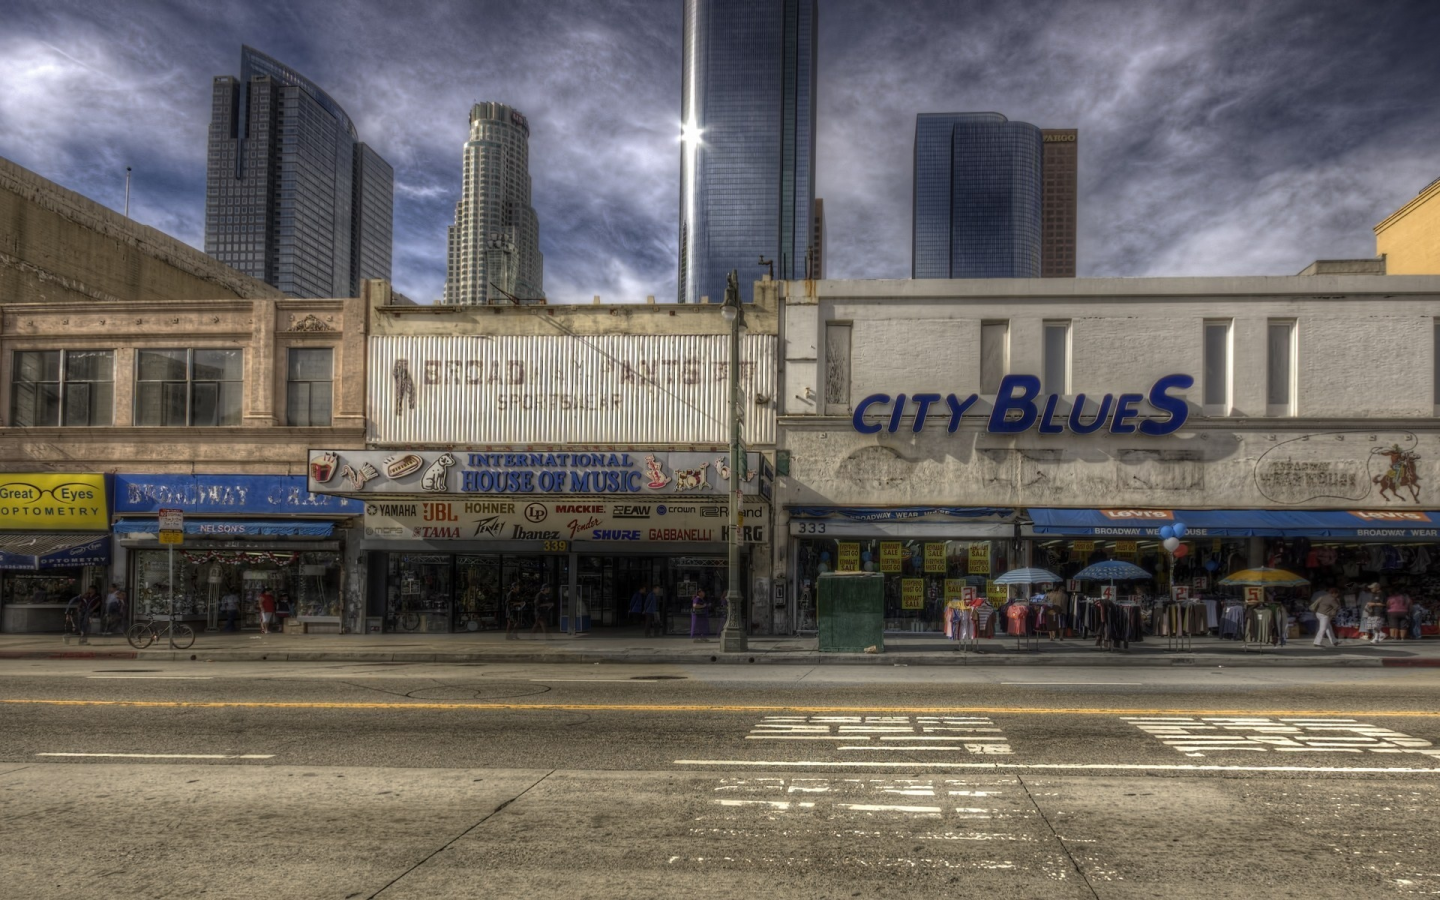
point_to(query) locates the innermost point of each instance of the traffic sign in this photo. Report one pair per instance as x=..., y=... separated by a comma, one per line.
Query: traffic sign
x=172, y=519
x=172, y=537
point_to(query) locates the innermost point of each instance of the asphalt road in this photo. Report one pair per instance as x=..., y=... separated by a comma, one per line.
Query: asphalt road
x=392, y=781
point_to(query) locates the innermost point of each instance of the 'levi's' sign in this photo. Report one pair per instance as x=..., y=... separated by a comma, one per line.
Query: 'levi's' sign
x=1019, y=407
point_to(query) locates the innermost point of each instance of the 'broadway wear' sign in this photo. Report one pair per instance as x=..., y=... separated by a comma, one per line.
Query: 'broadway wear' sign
x=648, y=520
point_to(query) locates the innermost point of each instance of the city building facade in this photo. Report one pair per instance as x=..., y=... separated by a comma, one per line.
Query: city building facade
x=977, y=197
x=1409, y=239
x=292, y=196
x=747, y=142
x=1058, y=202
x=494, y=245
x=942, y=433
x=817, y=242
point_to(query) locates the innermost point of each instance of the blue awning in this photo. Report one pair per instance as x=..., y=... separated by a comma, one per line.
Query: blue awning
x=903, y=513
x=228, y=528
x=1389, y=524
x=29, y=552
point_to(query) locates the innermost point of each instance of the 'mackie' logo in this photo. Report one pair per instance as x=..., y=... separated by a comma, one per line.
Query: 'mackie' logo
x=1390, y=516
x=1138, y=514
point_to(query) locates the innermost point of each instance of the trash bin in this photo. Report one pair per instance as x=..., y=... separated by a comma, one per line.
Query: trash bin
x=850, y=612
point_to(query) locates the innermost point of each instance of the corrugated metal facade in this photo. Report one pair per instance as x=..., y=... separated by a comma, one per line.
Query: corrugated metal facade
x=632, y=390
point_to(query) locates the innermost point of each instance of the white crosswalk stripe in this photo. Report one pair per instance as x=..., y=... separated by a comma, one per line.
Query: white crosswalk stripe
x=930, y=734
x=1194, y=736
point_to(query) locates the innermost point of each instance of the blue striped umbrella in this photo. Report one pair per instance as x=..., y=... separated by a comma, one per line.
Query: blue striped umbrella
x=1029, y=576
x=1112, y=570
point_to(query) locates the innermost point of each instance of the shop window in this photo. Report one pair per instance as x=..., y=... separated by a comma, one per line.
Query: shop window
x=837, y=368
x=994, y=355
x=1217, y=368
x=305, y=584
x=1280, y=369
x=1056, y=374
x=309, y=386
x=63, y=388
x=176, y=387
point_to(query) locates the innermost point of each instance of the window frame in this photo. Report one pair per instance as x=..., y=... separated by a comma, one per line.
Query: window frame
x=63, y=385
x=1046, y=381
x=1223, y=406
x=190, y=383
x=1004, y=326
x=290, y=382
x=1288, y=408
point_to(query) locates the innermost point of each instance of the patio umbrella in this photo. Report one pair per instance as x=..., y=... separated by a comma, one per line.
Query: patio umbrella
x=1112, y=570
x=1264, y=577
x=1029, y=576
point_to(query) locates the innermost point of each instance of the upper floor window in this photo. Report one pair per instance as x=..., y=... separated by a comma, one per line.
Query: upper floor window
x=837, y=367
x=188, y=387
x=1056, y=374
x=63, y=387
x=309, y=388
x=1280, y=368
x=1217, y=368
x=994, y=355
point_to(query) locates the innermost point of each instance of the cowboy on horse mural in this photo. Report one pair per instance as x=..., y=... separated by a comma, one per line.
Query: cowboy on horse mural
x=1400, y=474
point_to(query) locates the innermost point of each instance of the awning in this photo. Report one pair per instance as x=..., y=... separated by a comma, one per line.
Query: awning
x=30, y=552
x=1390, y=524
x=915, y=522
x=902, y=513
x=229, y=528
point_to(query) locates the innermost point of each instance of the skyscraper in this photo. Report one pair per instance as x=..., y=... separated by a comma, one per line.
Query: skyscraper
x=977, y=197
x=817, y=243
x=494, y=245
x=292, y=197
x=747, y=157
x=1057, y=203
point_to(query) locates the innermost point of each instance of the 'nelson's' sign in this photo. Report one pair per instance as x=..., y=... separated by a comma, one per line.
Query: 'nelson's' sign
x=1019, y=407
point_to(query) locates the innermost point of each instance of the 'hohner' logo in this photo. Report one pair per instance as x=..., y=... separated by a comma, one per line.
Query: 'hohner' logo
x=1137, y=514
x=1390, y=516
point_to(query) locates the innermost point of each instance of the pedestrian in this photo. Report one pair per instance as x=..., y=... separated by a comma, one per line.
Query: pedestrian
x=1397, y=612
x=1324, y=605
x=267, y=611
x=699, y=615
x=81, y=607
x=114, y=610
x=653, y=602
x=637, y=605
x=514, y=610
x=1373, y=622
x=1057, y=600
x=544, y=604
x=230, y=608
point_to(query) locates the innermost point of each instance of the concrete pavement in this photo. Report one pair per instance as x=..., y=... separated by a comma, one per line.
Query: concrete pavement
x=630, y=647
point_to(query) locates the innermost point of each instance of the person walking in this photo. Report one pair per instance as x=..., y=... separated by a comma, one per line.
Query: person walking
x=1373, y=622
x=81, y=607
x=699, y=615
x=267, y=611
x=653, y=624
x=1325, y=605
x=514, y=611
x=637, y=605
x=230, y=608
x=544, y=604
x=1057, y=600
x=114, y=610
x=1397, y=612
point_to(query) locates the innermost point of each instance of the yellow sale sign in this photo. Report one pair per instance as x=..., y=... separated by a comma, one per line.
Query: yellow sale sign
x=890, y=556
x=912, y=593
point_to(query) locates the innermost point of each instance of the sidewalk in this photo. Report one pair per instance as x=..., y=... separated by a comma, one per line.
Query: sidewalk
x=629, y=647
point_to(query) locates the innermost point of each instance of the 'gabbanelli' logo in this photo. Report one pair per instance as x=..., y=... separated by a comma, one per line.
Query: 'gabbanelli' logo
x=1137, y=514
x=1387, y=516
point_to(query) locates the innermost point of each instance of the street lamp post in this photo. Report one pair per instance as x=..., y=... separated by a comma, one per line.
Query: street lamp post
x=732, y=637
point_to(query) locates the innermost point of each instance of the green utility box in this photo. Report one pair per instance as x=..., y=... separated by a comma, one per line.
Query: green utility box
x=850, y=612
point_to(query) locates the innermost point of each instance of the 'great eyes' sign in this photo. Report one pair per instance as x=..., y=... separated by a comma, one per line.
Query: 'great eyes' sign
x=1019, y=406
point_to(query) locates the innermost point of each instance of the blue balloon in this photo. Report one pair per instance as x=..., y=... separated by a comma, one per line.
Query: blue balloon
x=825, y=557
x=1180, y=529
x=1211, y=565
x=865, y=557
x=1166, y=532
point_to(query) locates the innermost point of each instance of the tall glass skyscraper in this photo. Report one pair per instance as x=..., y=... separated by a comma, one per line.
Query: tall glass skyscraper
x=494, y=245
x=747, y=158
x=292, y=197
x=977, y=197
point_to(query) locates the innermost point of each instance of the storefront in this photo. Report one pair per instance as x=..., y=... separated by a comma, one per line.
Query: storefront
x=448, y=536
x=244, y=534
x=54, y=543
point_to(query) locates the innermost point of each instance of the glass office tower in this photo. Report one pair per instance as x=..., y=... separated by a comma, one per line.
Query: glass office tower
x=977, y=197
x=747, y=159
x=292, y=197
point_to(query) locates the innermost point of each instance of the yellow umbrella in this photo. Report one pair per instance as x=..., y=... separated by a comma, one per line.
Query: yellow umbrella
x=1265, y=577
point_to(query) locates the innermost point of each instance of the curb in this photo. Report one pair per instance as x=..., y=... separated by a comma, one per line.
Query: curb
x=68, y=654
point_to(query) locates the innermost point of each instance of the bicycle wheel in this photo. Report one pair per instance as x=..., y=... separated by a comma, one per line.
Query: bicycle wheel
x=184, y=636
x=410, y=621
x=140, y=635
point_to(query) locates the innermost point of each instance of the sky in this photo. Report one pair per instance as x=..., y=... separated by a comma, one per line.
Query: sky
x=1219, y=137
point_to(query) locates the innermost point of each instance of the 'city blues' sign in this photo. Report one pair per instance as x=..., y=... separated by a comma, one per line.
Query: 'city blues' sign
x=1019, y=406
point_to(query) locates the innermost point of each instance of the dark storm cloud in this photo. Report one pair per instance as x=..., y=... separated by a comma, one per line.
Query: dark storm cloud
x=1216, y=138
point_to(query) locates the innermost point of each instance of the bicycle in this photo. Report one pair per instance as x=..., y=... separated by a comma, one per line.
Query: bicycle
x=143, y=634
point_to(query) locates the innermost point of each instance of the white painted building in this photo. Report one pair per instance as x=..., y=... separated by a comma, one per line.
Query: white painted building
x=1288, y=412
x=494, y=245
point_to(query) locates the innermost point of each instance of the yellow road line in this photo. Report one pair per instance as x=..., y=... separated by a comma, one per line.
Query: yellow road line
x=732, y=708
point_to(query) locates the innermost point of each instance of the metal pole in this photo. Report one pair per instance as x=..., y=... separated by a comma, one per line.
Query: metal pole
x=732, y=637
x=172, y=596
x=127, y=192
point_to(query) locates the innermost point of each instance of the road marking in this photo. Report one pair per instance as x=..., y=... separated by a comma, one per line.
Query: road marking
x=1049, y=767
x=168, y=755
x=151, y=677
x=1073, y=683
x=594, y=680
x=944, y=734
x=746, y=708
x=1193, y=736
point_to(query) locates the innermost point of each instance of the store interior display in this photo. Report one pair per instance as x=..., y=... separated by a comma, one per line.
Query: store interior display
x=304, y=583
x=50, y=586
